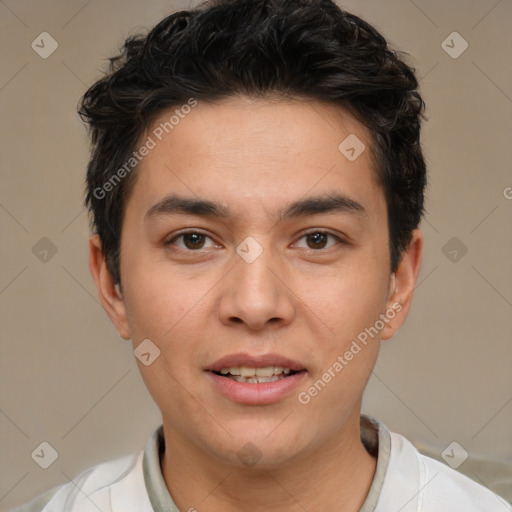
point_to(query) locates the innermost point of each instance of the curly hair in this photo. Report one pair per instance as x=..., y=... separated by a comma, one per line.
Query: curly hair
x=288, y=48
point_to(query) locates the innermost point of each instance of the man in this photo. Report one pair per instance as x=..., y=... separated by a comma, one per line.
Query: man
x=256, y=186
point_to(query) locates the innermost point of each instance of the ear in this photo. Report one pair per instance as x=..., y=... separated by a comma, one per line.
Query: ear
x=402, y=284
x=108, y=291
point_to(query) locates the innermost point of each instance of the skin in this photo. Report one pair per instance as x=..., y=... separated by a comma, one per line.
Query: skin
x=256, y=156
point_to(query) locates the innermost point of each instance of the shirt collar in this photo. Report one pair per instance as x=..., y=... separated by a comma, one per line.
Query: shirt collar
x=376, y=439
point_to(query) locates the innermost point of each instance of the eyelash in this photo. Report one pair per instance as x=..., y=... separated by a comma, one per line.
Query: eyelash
x=304, y=235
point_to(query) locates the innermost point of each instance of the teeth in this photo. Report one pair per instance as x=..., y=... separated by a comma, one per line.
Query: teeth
x=256, y=380
x=268, y=371
x=263, y=379
x=245, y=371
x=256, y=375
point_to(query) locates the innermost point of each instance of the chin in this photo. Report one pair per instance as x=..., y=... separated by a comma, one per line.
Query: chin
x=266, y=450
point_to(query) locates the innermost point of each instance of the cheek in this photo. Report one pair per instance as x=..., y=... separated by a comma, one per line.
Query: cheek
x=348, y=300
x=350, y=306
x=160, y=300
x=168, y=309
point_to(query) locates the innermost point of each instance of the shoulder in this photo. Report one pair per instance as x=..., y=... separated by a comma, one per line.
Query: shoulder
x=39, y=502
x=419, y=483
x=113, y=485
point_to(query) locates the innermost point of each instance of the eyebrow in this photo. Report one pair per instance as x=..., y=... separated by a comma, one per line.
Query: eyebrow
x=329, y=203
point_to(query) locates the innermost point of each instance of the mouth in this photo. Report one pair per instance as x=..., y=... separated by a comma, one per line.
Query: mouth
x=256, y=380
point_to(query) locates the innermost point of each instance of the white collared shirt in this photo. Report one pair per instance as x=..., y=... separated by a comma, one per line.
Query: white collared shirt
x=404, y=481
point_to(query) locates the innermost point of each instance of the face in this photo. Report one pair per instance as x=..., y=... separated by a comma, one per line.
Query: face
x=254, y=256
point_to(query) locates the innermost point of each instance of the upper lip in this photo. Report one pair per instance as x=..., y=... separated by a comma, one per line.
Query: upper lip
x=256, y=361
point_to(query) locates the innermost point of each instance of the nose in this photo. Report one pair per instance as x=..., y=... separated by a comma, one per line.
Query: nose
x=255, y=294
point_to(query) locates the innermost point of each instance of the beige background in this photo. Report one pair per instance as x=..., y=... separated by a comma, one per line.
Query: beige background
x=68, y=379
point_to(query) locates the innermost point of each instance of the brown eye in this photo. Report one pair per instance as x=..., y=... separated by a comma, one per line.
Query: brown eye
x=193, y=240
x=318, y=240
x=190, y=241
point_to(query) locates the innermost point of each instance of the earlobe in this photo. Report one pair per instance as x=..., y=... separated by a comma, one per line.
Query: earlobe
x=402, y=284
x=109, y=292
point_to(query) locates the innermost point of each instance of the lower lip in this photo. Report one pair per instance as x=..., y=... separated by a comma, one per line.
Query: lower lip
x=256, y=394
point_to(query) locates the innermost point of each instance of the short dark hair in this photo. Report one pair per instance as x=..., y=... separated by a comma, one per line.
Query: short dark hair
x=290, y=48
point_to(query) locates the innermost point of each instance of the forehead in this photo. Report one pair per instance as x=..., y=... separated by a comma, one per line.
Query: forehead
x=246, y=152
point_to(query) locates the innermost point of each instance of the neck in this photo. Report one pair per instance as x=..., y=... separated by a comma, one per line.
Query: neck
x=335, y=476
